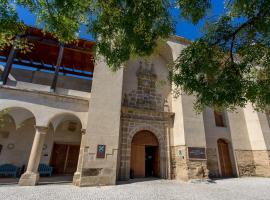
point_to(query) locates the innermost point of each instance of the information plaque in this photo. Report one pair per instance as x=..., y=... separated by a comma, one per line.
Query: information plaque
x=196, y=153
x=101, y=149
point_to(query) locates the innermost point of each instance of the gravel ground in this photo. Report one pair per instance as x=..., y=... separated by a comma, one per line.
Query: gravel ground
x=231, y=189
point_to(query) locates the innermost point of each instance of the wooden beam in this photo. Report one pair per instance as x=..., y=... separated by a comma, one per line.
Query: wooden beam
x=58, y=63
x=47, y=68
x=51, y=42
x=11, y=56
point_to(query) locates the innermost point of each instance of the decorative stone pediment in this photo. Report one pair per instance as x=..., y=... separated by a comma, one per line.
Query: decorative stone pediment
x=145, y=96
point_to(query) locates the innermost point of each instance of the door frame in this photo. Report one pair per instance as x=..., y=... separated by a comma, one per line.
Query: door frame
x=66, y=156
x=231, y=157
x=145, y=144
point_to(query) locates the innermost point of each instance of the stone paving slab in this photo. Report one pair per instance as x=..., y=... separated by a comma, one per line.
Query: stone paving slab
x=226, y=189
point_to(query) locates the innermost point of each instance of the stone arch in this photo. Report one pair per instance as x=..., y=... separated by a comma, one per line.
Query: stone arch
x=162, y=148
x=64, y=135
x=16, y=134
x=156, y=132
x=56, y=119
x=18, y=114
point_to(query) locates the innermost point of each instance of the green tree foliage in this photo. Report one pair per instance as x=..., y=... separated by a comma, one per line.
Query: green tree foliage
x=227, y=67
x=230, y=65
x=122, y=28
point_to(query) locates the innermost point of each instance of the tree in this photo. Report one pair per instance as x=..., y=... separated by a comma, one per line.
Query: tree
x=227, y=67
x=230, y=65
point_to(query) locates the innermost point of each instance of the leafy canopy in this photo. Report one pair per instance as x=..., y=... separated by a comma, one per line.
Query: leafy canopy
x=230, y=65
x=227, y=67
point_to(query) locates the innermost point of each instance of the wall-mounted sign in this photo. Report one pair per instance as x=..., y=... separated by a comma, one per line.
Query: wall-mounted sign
x=196, y=153
x=101, y=150
x=181, y=152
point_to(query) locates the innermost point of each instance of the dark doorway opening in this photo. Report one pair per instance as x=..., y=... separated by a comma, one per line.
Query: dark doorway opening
x=151, y=161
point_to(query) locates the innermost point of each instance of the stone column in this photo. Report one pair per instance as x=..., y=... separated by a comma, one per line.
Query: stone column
x=31, y=176
x=77, y=174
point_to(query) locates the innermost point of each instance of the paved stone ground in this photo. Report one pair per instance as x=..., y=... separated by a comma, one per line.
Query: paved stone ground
x=231, y=189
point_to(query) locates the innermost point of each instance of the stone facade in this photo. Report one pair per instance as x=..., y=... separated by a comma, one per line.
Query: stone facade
x=245, y=163
x=143, y=109
x=145, y=96
x=184, y=168
x=120, y=105
x=212, y=162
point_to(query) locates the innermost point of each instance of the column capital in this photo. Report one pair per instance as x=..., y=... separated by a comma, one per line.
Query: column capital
x=42, y=129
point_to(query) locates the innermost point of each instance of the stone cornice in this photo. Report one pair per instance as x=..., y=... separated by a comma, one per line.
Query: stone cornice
x=68, y=97
x=146, y=114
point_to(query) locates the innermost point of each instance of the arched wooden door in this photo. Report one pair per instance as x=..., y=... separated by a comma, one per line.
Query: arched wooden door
x=144, y=155
x=224, y=159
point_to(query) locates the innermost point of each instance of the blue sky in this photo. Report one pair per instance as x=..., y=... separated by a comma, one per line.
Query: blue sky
x=183, y=27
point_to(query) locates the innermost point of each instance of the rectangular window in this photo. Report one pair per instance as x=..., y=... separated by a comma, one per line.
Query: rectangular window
x=219, y=119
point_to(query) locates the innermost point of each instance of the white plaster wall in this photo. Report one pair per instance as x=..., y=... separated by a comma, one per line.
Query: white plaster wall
x=23, y=137
x=238, y=129
x=265, y=128
x=193, y=123
x=213, y=132
x=45, y=78
x=44, y=106
x=180, y=104
x=257, y=129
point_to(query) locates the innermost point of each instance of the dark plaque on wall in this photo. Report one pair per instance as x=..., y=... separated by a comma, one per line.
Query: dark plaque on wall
x=196, y=153
x=101, y=149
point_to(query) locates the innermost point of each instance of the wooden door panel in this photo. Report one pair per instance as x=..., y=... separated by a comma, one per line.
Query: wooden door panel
x=72, y=159
x=224, y=157
x=58, y=158
x=138, y=161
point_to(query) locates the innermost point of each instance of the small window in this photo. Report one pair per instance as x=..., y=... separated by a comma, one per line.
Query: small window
x=219, y=119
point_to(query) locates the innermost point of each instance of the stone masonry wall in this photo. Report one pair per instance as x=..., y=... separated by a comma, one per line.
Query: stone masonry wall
x=212, y=162
x=184, y=168
x=135, y=120
x=262, y=163
x=145, y=96
x=245, y=163
x=143, y=109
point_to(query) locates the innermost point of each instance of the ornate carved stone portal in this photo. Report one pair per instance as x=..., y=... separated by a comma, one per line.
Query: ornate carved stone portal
x=143, y=110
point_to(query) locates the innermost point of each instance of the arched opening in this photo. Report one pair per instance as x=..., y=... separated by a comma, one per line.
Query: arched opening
x=17, y=131
x=145, y=156
x=224, y=158
x=64, y=141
